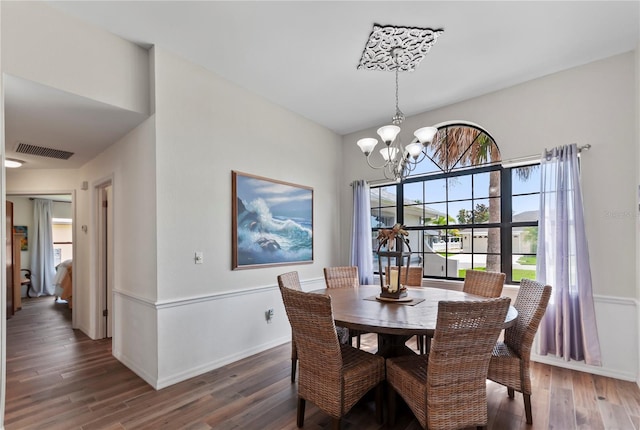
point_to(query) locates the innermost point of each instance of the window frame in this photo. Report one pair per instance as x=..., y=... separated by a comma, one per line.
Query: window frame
x=506, y=224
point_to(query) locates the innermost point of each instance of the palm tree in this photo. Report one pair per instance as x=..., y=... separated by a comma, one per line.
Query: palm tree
x=442, y=221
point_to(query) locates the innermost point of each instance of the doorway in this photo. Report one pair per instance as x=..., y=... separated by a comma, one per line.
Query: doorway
x=61, y=233
x=104, y=191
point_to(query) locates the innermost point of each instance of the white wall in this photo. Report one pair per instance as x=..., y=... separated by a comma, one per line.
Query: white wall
x=637, y=236
x=592, y=104
x=207, y=127
x=3, y=254
x=44, y=45
x=130, y=166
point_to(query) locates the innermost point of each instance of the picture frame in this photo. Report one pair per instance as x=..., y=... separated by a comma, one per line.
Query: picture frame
x=24, y=240
x=272, y=222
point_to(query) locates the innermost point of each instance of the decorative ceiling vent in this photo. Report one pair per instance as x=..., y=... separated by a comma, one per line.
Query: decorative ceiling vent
x=41, y=151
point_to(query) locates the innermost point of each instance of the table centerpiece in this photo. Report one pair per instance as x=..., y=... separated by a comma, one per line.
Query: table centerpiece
x=396, y=261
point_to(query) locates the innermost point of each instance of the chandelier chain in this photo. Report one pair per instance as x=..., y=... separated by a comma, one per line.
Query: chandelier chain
x=398, y=160
x=399, y=116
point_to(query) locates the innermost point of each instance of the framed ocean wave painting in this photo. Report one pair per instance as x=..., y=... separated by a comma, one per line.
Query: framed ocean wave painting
x=272, y=222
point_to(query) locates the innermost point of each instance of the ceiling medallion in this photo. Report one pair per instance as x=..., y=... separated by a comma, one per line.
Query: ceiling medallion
x=397, y=49
x=413, y=43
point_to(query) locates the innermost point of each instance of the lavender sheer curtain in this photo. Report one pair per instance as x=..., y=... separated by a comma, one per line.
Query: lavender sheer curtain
x=568, y=328
x=361, y=248
x=41, y=243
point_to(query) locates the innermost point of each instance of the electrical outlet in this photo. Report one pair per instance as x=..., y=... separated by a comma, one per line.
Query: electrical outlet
x=199, y=257
x=269, y=315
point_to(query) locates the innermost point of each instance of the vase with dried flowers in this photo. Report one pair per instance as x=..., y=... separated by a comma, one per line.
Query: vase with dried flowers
x=396, y=261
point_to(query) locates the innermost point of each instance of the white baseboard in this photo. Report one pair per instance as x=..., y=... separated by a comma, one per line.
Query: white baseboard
x=149, y=379
x=582, y=367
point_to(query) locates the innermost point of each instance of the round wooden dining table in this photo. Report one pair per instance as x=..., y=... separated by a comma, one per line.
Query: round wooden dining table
x=395, y=322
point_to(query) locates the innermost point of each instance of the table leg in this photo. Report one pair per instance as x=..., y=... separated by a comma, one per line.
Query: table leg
x=390, y=345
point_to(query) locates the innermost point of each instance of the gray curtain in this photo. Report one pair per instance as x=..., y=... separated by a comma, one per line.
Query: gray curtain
x=361, y=248
x=568, y=329
x=41, y=244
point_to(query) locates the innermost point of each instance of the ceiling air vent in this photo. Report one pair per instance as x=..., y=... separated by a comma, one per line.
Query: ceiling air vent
x=41, y=151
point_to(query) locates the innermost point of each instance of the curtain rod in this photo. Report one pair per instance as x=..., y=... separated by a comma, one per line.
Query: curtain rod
x=586, y=147
x=56, y=201
x=514, y=162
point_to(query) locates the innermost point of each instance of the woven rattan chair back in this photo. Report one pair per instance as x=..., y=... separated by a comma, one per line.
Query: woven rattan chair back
x=341, y=276
x=344, y=277
x=531, y=304
x=314, y=332
x=485, y=284
x=291, y=280
x=510, y=360
x=459, y=360
x=322, y=379
x=414, y=279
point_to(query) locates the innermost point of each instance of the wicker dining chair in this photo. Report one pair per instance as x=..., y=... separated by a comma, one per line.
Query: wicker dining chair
x=291, y=280
x=510, y=359
x=414, y=279
x=332, y=375
x=341, y=276
x=344, y=277
x=485, y=284
x=446, y=388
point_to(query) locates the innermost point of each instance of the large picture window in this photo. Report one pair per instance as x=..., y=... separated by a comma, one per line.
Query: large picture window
x=463, y=209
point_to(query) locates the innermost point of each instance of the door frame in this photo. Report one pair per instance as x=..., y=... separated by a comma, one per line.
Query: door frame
x=104, y=256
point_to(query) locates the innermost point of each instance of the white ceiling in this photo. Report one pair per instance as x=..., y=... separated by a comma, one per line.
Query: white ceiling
x=303, y=55
x=39, y=115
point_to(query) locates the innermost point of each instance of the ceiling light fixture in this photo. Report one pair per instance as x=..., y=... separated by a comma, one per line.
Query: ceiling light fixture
x=397, y=49
x=12, y=163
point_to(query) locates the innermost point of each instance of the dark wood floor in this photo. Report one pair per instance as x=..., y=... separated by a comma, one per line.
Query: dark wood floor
x=57, y=378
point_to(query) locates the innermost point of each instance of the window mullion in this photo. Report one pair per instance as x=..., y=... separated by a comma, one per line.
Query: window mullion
x=506, y=231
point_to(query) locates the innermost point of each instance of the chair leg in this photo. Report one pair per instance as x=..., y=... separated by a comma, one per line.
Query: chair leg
x=300, y=419
x=510, y=392
x=527, y=408
x=294, y=363
x=392, y=405
x=358, y=341
x=379, y=395
x=420, y=343
x=335, y=423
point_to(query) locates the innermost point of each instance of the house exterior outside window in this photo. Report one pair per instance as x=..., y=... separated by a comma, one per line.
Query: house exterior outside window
x=463, y=209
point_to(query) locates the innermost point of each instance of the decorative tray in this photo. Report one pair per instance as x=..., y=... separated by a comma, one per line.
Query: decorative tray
x=390, y=299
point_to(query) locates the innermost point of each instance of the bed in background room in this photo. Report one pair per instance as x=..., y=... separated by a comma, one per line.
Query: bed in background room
x=63, y=281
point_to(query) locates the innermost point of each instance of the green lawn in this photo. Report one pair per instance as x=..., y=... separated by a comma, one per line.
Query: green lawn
x=527, y=259
x=519, y=274
x=462, y=272
x=516, y=274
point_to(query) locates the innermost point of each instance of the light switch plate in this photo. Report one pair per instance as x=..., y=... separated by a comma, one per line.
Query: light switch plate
x=199, y=257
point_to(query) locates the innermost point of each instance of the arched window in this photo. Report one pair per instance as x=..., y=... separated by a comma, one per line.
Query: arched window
x=458, y=145
x=458, y=207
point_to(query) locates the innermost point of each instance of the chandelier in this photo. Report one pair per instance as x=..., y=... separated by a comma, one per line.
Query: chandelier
x=397, y=49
